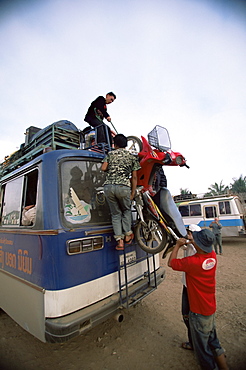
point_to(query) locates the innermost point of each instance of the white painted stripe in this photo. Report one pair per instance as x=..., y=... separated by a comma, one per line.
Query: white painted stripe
x=62, y=302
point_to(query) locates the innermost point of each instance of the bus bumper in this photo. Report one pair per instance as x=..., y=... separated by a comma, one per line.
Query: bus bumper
x=62, y=329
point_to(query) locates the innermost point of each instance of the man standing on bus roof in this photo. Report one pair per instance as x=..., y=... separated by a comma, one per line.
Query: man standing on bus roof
x=97, y=112
x=216, y=228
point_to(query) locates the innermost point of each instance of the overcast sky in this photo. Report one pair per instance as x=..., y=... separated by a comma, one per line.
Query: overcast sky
x=176, y=63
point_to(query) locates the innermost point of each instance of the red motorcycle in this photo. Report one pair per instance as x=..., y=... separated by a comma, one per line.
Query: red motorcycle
x=158, y=223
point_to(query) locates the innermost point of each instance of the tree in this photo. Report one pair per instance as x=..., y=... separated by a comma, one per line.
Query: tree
x=184, y=194
x=217, y=189
x=239, y=185
x=184, y=191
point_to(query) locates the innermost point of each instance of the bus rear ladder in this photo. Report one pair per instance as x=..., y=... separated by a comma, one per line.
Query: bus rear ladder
x=133, y=290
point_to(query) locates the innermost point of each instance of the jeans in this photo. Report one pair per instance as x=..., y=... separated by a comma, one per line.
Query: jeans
x=101, y=136
x=185, y=312
x=205, y=341
x=118, y=197
x=218, y=241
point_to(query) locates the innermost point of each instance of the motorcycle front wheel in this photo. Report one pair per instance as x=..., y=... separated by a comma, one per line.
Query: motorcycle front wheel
x=151, y=236
x=134, y=145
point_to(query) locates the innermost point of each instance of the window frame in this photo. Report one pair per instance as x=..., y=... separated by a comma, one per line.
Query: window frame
x=188, y=208
x=64, y=219
x=214, y=213
x=23, y=191
x=227, y=206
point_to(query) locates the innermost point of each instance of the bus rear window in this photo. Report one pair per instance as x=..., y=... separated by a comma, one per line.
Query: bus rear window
x=83, y=198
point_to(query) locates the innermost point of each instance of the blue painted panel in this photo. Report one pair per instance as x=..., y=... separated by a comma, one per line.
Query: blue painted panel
x=224, y=223
x=43, y=260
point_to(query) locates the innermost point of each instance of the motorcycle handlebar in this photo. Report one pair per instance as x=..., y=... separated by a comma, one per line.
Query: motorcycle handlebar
x=184, y=165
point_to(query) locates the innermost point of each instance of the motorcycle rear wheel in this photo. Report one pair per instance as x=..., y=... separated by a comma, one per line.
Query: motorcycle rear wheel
x=151, y=237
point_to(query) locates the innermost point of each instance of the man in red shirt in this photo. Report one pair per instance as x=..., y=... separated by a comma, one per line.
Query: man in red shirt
x=200, y=277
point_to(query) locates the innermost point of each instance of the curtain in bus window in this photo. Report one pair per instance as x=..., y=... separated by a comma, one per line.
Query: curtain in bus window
x=12, y=202
x=82, y=192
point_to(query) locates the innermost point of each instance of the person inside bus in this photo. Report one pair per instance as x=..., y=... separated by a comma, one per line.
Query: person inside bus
x=95, y=115
x=28, y=215
x=81, y=187
x=216, y=228
x=119, y=188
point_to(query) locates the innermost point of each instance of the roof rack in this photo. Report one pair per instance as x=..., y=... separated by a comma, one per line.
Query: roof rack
x=59, y=135
x=195, y=197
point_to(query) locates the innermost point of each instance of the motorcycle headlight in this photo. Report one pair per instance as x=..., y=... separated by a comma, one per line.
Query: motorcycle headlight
x=179, y=160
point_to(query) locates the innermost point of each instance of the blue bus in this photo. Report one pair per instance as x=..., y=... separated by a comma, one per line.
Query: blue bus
x=60, y=274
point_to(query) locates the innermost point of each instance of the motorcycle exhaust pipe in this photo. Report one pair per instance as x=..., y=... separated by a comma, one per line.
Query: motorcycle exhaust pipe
x=119, y=317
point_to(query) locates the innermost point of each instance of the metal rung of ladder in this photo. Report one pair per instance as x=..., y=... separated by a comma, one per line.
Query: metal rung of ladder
x=132, y=291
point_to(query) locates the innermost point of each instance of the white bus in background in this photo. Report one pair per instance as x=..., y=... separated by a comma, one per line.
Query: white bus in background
x=228, y=208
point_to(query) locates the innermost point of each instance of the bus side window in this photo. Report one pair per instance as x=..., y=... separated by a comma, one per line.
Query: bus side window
x=210, y=212
x=225, y=208
x=1, y=203
x=11, y=209
x=228, y=208
x=195, y=210
x=222, y=208
x=29, y=199
x=184, y=210
x=31, y=180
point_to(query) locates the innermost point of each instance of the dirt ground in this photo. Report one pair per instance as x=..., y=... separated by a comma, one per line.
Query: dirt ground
x=151, y=333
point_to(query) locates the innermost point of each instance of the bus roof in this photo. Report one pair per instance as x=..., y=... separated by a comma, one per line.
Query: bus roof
x=207, y=200
x=51, y=157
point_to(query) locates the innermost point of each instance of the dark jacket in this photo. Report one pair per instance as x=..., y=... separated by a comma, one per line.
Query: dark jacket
x=101, y=108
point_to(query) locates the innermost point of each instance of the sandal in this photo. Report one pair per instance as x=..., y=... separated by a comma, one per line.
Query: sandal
x=120, y=245
x=187, y=345
x=131, y=236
